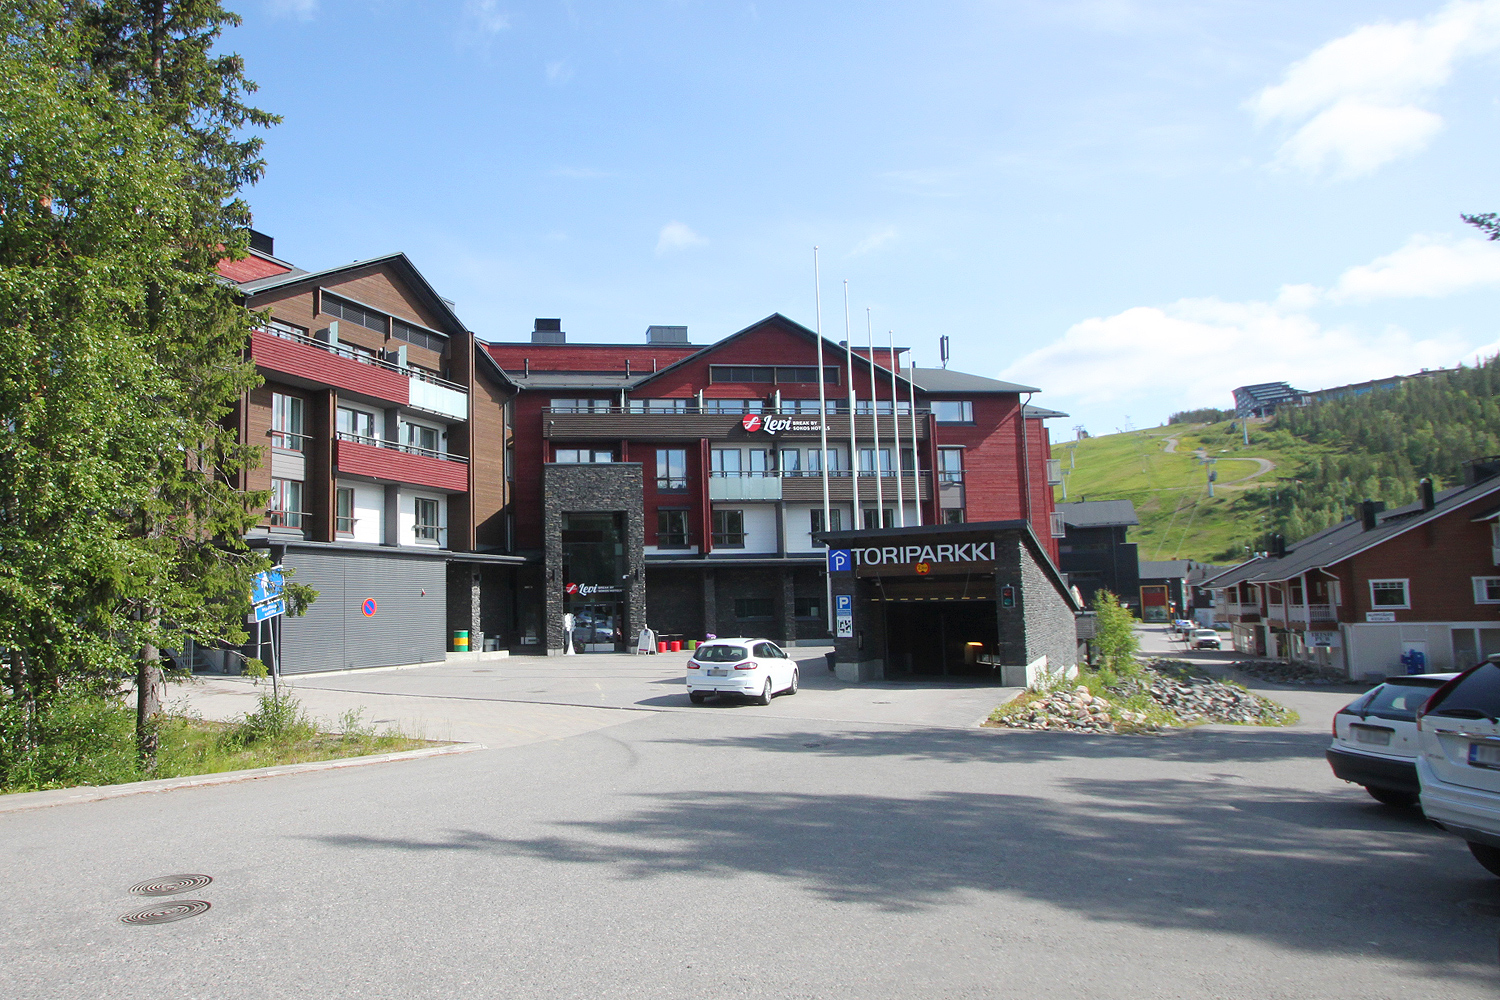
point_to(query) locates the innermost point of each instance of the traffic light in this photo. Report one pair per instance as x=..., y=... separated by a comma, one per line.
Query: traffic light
x=1007, y=596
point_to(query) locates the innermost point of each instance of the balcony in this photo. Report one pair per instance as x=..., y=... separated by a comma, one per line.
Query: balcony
x=807, y=487
x=363, y=456
x=1309, y=614
x=613, y=423
x=1054, y=472
x=291, y=353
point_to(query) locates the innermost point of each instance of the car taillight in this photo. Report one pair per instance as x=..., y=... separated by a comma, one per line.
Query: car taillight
x=747, y=665
x=692, y=665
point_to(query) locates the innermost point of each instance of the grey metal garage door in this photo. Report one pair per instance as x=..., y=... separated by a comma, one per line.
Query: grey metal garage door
x=407, y=626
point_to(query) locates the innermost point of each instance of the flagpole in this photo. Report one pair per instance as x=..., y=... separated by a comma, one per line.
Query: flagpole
x=853, y=434
x=823, y=433
x=916, y=459
x=896, y=427
x=875, y=424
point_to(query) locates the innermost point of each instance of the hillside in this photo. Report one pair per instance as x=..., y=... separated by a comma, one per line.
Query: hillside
x=1302, y=470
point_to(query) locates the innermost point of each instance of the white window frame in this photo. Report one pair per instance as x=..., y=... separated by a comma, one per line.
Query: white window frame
x=1405, y=595
x=1481, y=586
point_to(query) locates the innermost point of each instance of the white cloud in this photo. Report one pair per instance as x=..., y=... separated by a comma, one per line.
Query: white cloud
x=873, y=242
x=559, y=73
x=486, y=16
x=1426, y=267
x=1192, y=353
x=303, y=10
x=1356, y=103
x=676, y=236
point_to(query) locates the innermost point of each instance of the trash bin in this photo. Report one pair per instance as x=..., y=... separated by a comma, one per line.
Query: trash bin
x=832, y=660
x=661, y=645
x=692, y=644
x=676, y=646
x=461, y=641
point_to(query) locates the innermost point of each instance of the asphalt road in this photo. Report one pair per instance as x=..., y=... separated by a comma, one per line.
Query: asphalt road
x=742, y=852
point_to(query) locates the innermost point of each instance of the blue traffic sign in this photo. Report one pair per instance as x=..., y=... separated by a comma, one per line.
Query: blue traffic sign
x=843, y=602
x=270, y=609
x=840, y=560
x=267, y=585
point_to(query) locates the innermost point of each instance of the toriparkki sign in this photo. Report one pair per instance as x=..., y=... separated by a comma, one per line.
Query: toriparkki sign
x=906, y=555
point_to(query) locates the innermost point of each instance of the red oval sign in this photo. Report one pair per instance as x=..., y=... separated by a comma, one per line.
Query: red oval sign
x=369, y=607
x=751, y=422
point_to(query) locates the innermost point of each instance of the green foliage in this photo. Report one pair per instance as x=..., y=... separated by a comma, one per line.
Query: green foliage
x=1207, y=415
x=1114, y=638
x=76, y=737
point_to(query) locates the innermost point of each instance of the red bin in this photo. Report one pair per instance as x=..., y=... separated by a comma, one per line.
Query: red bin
x=661, y=646
x=676, y=647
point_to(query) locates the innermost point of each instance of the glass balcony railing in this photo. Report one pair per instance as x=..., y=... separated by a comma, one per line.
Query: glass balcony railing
x=410, y=449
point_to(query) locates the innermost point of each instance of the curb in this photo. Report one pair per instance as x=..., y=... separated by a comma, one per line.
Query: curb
x=23, y=801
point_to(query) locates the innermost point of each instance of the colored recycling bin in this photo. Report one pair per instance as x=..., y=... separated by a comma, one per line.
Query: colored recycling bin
x=460, y=641
x=692, y=644
x=661, y=646
x=676, y=646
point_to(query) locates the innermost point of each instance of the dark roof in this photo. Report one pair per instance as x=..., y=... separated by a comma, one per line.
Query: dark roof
x=1042, y=413
x=610, y=381
x=399, y=261
x=1349, y=538
x=945, y=380
x=1098, y=513
x=1169, y=569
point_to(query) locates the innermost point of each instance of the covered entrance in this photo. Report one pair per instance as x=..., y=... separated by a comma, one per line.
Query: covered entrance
x=943, y=638
x=598, y=627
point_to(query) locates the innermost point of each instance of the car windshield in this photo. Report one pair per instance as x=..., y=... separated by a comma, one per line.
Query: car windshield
x=1207, y=633
x=1476, y=695
x=1398, y=699
x=721, y=654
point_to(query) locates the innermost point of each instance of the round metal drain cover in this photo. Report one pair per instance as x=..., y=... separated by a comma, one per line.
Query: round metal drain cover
x=170, y=885
x=165, y=912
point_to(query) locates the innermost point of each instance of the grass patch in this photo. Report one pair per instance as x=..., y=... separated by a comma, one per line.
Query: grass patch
x=84, y=738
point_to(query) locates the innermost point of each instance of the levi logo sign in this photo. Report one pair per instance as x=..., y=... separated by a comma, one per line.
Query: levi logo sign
x=753, y=422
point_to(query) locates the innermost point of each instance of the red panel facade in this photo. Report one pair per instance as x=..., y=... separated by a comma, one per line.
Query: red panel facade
x=316, y=365
x=359, y=459
x=587, y=357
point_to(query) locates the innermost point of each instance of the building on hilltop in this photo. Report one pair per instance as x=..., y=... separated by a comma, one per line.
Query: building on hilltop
x=1262, y=399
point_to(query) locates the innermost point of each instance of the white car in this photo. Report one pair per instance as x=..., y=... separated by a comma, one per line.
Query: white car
x=1205, y=638
x=756, y=668
x=1458, y=737
x=1375, y=737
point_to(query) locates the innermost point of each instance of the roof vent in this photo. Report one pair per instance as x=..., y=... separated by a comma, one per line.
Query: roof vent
x=666, y=335
x=548, y=331
x=1370, y=512
x=261, y=243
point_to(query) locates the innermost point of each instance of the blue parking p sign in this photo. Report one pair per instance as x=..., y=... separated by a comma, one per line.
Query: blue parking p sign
x=843, y=602
x=840, y=560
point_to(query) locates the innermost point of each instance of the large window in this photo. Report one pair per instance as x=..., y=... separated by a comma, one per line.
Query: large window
x=671, y=529
x=780, y=374
x=886, y=518
x=953, y=411
x=762, y=462
x=580, y=406
x=285, y=509
x=950, y=465
x=815, y=522
x=661, y=405
x=424, y=440
x=725, y=462
x=791, y=461
x=729, y=529
x=427, y=525
x=733, y=407
x=286, y=422
x=671, y=469
x=1487, y=590
x=576, y=456
x=953, y=515
x=344, y=510
x=1389, y=594
x=867, y=461
x=808, y=607
x=356, y=425
x=354, y=313
x=754, y=607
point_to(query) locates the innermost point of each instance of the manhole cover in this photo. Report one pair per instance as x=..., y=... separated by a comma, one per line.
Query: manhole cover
x=166, y=912
x=170, y=885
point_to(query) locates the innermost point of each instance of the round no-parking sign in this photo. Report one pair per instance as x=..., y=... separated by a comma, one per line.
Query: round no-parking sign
x=369, y=607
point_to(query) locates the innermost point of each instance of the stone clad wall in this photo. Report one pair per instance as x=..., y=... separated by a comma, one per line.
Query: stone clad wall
x=593, y=488
x=1051, y=626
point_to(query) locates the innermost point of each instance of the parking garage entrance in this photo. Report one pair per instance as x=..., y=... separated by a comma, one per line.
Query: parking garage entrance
x=945, y=638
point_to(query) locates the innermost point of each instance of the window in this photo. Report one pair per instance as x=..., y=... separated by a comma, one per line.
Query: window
x=426, y=527
x=886, y=518
x=808, y=607
x=1487, y=590
x=865, y=407
x=786, y=374
x=953, y=515
x=344, y=510
x=580, y=406
x=729, y=528
x=808, y=406
x=672, y=529
x=356, y=425
x=423, y=440
x=725, y=462
x=577, y=456
x=950, y=466
x=1389, y=594
x=285, y=331
x=754, y=607
x=953, y=411
x=286, y=503
x=286, y=422
x=402, y=330
x=1059, y=525
x=791, y=461
x=671, y=468
x=867, y=461
x=659, y=405
x=814, y=466
x=353, y=313
x=762, y=462
x=734, y=407
x=815, y=522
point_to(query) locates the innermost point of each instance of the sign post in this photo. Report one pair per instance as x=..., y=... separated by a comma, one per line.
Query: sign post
x=268, y=605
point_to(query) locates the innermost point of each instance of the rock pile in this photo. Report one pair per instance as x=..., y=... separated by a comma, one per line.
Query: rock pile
x=1281, y=672
x=1201, y=699
x=1076, y=710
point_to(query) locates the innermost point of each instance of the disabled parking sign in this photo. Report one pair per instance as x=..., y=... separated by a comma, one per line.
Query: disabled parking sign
x=840, y=560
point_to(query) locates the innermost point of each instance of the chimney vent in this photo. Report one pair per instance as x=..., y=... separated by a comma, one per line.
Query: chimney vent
x=1477, y=470
x=548, y=331
x=1369, y=511
x=1429, y=496
x=666, y=335
x=261, y=243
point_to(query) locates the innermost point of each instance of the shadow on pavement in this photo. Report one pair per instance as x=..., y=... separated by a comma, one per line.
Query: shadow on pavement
x=1287, y=867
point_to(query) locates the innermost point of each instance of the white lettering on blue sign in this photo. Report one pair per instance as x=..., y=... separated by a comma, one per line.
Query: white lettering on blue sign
x=905, y=555
x=843, y=603
x=840, y=561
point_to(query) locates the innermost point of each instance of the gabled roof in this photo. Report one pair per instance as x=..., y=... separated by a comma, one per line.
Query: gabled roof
x=1042, y=413
x=944, y=380
x=1234, y=575
x=1349, y=538
x=398, y=262
x=1098, y=513
x=1168, y=569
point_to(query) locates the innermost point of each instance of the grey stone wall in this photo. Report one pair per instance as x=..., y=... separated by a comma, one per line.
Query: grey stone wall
x=593, y=488
x=1051, y=628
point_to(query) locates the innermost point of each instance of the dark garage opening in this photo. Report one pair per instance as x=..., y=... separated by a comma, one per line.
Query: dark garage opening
x=931, y=638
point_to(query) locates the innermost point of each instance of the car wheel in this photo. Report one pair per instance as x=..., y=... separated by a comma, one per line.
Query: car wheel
x=1392, y=796
x=765, y=695
x=793, y=688
x=696, y=697
x=1487, y=856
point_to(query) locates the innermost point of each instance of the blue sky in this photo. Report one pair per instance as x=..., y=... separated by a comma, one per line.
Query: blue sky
x=1135, y=206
